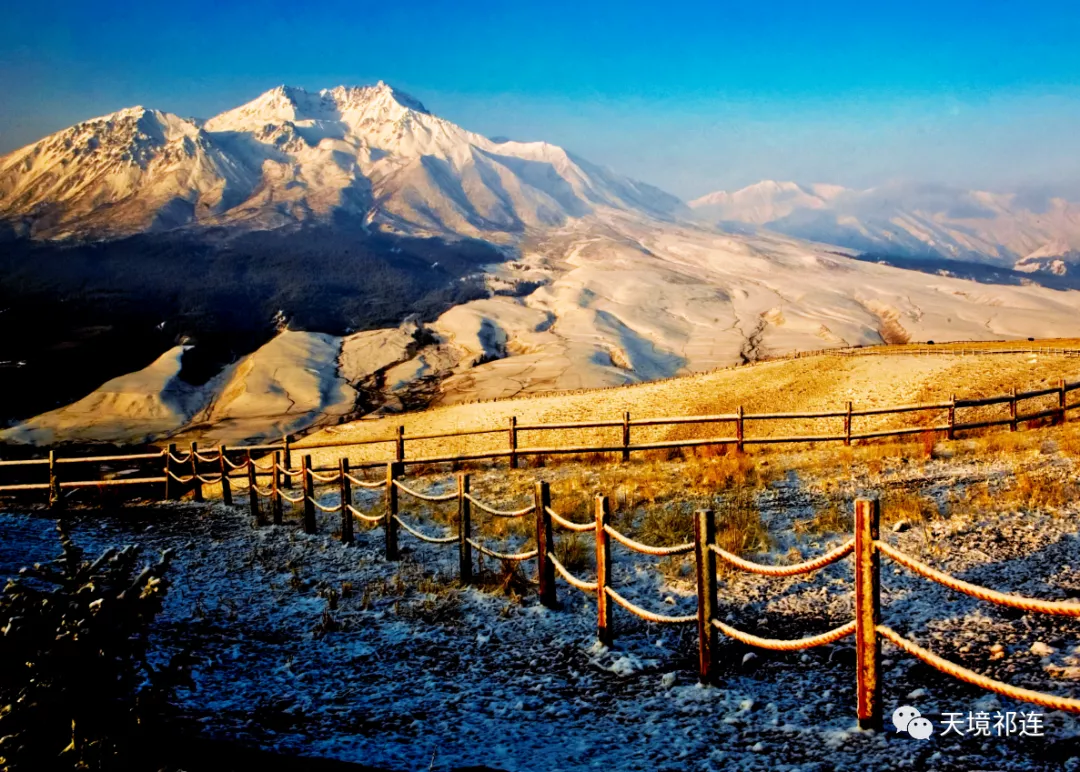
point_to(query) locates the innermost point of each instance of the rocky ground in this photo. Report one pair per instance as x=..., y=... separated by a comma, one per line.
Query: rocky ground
x=304, y=645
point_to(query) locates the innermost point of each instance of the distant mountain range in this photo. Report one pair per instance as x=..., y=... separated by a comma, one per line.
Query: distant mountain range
x=289, y=156
x=1023, y=231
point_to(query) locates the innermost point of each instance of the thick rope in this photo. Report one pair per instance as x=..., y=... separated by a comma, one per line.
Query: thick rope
x=207, y=459
x=240, y=465
x=798, y=568
x=209, y=480
x=502, y=555
x=423, y=536
x=262, y=492
x=266, y=468
x=182, y=480
x=572, y=580
x=324, y=509
x=369, y=518
x=569, y=525
x=975, y=679
x=776, y=644
x=645, y=549
x=327, y=478
x=183, y=460
x=1058, y=608
x=648, y=615
x=424, y=496
x=289, y=498
x=283, y=470
x=500, y=512
x=365, y=483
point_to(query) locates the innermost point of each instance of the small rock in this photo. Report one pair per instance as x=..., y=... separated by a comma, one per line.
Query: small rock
x=749, y=660
x=667, y=680
x=917, y=694
x=758, y=747
x=1040, y=649
x=900, y=526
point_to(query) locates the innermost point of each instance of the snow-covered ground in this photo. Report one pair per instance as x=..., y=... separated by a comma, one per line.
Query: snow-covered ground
x=410, y=671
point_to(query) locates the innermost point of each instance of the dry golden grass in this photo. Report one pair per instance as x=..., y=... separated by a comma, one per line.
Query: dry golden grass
x=814, y=383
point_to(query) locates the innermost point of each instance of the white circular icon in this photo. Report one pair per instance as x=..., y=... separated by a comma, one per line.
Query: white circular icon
x=920, y=728
x=902, y=716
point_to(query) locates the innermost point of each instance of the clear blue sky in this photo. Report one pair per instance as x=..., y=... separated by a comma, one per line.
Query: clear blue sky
x=690, y=96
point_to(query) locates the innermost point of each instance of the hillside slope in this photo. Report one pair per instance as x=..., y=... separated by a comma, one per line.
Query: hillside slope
x=822, y=382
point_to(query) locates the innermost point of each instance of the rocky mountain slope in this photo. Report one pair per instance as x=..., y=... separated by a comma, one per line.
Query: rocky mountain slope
x=371, y=154
x=1023, y=231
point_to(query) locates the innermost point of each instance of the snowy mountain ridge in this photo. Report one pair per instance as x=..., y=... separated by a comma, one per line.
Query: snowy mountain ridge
x=1023, y=231
x=291, y=156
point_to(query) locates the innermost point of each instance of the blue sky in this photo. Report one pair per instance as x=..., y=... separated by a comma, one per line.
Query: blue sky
x=688, y=96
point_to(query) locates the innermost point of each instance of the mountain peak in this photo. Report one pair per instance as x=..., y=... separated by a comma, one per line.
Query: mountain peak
x=294, y=104
x=381, y=92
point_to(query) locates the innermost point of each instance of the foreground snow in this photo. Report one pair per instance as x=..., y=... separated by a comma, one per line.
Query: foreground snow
x=411, y=672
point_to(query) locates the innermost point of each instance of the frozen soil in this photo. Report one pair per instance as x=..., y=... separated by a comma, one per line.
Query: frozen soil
x=402, y=668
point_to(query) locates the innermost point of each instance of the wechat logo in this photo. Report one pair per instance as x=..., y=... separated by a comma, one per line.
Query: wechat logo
x=907, y=719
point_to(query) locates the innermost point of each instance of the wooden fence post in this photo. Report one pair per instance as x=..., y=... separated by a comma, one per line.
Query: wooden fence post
x=626, y=435
x=867, y=613
x=170, y=483
x=196, y=484
x=1061, y=400
x=950, y=433
x=513, y=442
x=603, y=572
x=307, y=485
x=392, y=471
x=464, y=529
x=399, y=444
x=704, y=536
x=56, y=498
x=346, y=502
x=226, y=487
x=275, y=487
x=545, y=545
x=739, y=429
x=847, y=426
x=286, y=479
x=253, y=493
x=1012, y=411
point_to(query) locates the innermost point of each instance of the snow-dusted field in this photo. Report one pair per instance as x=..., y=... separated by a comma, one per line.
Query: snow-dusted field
x=410, y=671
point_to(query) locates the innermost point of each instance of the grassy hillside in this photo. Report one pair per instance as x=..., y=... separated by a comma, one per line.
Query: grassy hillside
x=823, y=382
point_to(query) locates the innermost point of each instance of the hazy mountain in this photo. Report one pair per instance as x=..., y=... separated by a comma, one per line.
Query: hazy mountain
x=1026, y=231
x=290, y=156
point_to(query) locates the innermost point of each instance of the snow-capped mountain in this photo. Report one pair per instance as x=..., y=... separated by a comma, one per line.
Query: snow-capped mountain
x=1024, y=231
x=292, y=156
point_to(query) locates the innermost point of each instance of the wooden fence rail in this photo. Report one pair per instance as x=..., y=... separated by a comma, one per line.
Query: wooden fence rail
x=183, y=473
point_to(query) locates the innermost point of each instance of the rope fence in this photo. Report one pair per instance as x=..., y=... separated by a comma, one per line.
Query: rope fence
x=501, y=512
x=279, y=462
x=514, y=556
x=423, y=536
x=569, y=525
x=181, y=474
x=799, y=568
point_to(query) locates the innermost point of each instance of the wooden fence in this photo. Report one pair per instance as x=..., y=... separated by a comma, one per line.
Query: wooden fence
x=866, y=547
x=178, y=472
